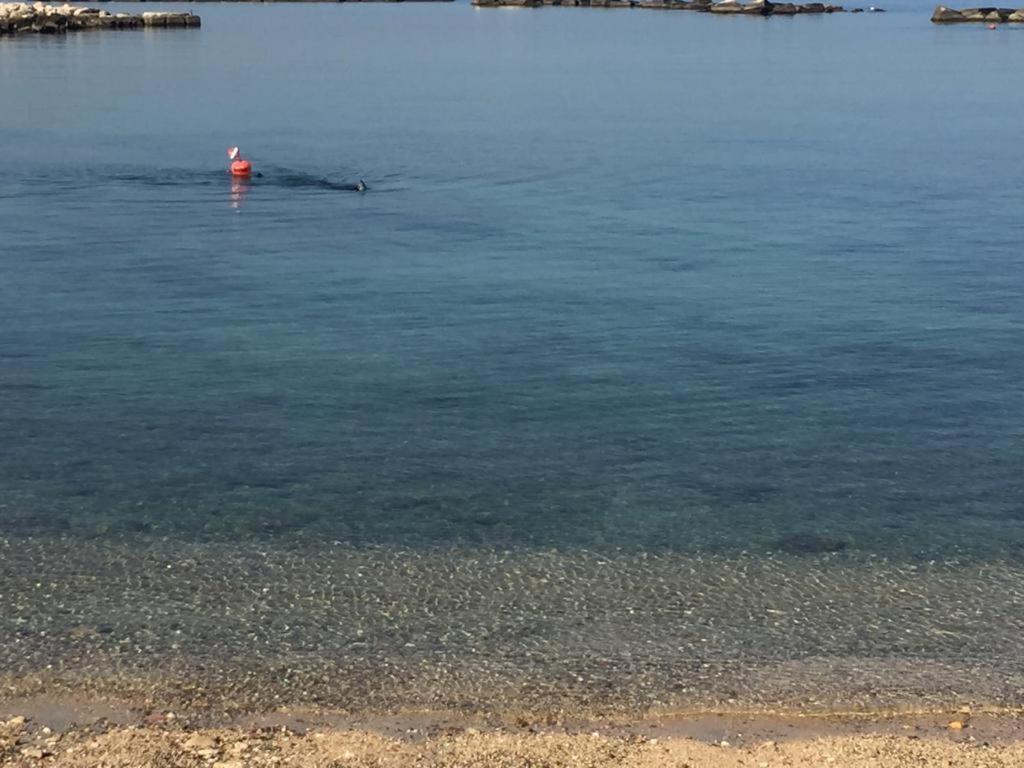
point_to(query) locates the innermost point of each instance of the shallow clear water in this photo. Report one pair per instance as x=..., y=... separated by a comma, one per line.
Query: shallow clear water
x=622, y=279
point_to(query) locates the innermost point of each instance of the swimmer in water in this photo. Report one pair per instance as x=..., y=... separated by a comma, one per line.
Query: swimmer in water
x=360, y=186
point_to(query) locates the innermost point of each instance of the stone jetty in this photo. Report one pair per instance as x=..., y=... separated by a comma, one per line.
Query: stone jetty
x=18, y=18
x=723, y=7
x=944, y=15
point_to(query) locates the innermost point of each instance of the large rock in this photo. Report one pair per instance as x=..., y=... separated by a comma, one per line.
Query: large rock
x=944, y=15
x=50, y=19
x=755, y=8
x=163, y=19
x=988, y=14
x=693, y=5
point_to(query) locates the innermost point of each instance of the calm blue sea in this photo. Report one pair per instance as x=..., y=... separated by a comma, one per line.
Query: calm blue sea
x=621, y=280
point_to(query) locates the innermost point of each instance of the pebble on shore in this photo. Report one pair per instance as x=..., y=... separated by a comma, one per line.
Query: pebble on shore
x=16, y=18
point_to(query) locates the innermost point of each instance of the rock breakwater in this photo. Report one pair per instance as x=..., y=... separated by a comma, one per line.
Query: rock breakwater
x=991, y=15
x=724, y=7
x=16, y=18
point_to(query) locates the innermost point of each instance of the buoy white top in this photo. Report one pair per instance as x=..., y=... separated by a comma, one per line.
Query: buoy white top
x=233, y=153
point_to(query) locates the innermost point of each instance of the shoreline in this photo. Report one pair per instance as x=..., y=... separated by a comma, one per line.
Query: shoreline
x=65, y=712
x=78, y=732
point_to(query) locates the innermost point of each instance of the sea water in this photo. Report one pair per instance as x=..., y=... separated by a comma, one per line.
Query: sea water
x=621, y=280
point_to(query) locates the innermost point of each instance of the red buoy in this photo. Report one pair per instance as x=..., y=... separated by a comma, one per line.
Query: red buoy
x=239, y=167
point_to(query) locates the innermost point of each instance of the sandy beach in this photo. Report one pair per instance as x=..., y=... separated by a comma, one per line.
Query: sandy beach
x=101, y=734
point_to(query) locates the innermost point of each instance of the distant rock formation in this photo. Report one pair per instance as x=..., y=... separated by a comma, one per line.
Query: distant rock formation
x=43, y=19
x=676, y=5
x=724, y=7
x=944, y=15
x=768, y=8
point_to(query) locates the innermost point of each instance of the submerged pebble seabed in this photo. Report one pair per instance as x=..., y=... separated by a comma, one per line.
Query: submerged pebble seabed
x=251, y=627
